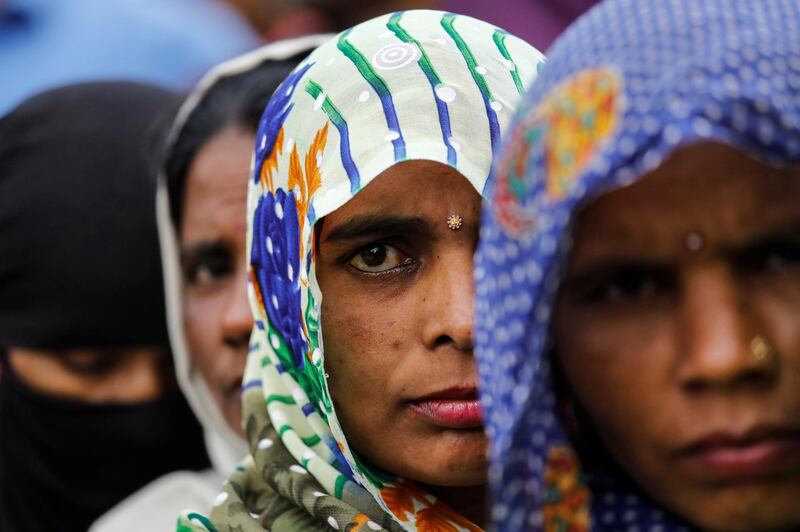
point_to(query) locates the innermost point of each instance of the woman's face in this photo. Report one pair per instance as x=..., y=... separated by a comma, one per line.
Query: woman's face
x=217, y=318
x=678, y=332
x=397, y=323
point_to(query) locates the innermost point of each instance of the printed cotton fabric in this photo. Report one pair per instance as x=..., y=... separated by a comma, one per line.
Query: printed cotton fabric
x=410, y=85
x=628, y=84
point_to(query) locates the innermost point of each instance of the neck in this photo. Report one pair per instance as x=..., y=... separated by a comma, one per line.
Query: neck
x=468, y=501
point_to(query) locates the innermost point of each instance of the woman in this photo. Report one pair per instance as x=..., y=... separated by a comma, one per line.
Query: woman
x=362, y=218
x=202, y=194
x=647, y=378
x=88, y=407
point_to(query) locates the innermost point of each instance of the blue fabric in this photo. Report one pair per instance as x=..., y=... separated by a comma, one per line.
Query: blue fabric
x=170, y=43
x=672, y=72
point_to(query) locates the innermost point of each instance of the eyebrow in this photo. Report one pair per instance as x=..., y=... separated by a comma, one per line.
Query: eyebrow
x=772, y=236
x=614, y=266
x=780, y=234
x=791, y=228
x=372, y=225
x=198, y=249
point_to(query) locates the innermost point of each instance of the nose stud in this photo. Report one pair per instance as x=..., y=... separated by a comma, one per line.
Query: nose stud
x=762, y=353
x=454, y=221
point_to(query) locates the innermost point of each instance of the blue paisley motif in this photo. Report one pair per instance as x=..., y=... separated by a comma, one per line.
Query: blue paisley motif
x=275, y=259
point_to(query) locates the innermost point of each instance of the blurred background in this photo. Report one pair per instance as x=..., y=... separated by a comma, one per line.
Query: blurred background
x=171, y=43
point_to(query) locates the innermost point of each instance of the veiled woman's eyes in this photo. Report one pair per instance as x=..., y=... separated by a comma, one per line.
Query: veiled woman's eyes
x=378, y=258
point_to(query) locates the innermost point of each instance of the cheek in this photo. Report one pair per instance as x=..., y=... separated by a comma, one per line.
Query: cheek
x=620, y=379
x=778, y=318
x=359, y=342
x=203, y=336
x=778, y=309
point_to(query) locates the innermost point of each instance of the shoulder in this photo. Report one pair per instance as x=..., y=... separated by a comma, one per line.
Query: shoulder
x=155, y=506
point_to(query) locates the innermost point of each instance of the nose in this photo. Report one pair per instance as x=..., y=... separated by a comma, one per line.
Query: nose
x=449, y=302
x=237, y=320
x=717, y=332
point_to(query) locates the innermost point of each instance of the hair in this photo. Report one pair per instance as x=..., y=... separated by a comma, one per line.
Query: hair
x=236, y=100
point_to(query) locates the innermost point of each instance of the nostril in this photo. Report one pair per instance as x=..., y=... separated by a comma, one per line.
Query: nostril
x=446, y=339
x=752, y=378
x=237, y=341
x=443, y=340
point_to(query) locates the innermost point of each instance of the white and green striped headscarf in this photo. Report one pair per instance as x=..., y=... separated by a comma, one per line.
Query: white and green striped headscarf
x=409, y=85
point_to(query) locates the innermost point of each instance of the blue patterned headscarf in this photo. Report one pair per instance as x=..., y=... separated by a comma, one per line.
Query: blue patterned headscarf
x=626, y=86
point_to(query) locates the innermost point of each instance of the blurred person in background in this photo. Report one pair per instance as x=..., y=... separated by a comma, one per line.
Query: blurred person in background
x=47, y=43
x=89, y=409
x=537, y=21
x=201, y=222
x=280, y=19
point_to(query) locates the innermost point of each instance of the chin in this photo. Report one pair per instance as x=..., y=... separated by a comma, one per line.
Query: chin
x=233, y=418
x=756, y=523
x=747, y=512
x=456, y=466
x=462, y=477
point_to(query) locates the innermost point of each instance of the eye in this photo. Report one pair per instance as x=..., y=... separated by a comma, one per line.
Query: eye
x=378, y=258
x=772, y=258
x=208, y=269
x=626, y=285
x=91, y=364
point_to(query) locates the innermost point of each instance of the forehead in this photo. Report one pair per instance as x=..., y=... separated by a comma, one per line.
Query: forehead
x=709, y=187
x=215, y=196
x=222, y=163
x=418, y=187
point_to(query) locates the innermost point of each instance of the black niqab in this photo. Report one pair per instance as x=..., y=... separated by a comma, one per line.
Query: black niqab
x=79, y=258
x=79, y=268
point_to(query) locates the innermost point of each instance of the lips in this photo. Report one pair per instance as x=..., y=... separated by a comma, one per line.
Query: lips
x=754, y=455
x=454, y=408
x=234, y=387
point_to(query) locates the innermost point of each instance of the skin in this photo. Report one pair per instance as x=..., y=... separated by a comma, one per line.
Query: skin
x=217, y=319
x=397, y=319
x=654, y=338
x=96, y=375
